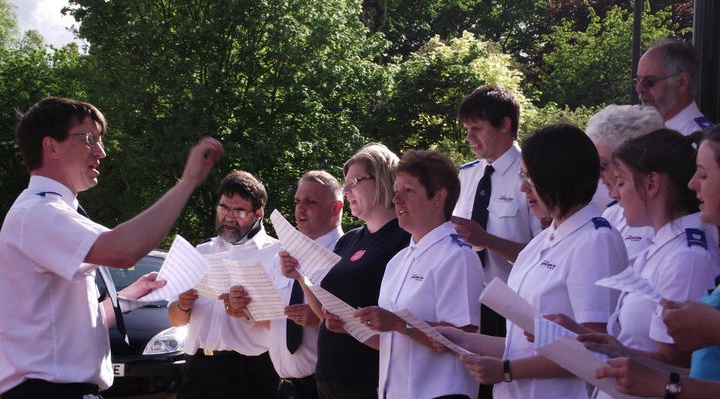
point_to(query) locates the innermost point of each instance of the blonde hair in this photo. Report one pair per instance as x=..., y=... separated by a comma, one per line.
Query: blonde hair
x=381, y=164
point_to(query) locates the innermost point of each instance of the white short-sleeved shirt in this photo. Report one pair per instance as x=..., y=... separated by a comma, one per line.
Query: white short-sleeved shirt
x=636, y=239
x=439, y=279
x=556, y=273
x=681, y=267
x=301, y=363
x=689, y=120
x=509, y=216
x=51, y=325
x=210, y=327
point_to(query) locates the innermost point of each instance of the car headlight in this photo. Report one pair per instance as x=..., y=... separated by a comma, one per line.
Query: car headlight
x=167, y=341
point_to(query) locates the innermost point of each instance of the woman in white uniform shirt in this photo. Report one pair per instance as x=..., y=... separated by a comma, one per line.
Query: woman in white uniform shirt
x=438, y=278
x=608, y=129
x=556, y=272
x=652, y=174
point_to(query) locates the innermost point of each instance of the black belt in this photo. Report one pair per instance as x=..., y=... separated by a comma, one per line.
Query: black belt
x=34, y=388
x=210, y=352
x=299, y=382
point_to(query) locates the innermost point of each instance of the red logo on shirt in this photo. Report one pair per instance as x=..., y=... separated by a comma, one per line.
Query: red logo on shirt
x=633, y=238
x=357, y=255
x=417, y=277
x=548, y=265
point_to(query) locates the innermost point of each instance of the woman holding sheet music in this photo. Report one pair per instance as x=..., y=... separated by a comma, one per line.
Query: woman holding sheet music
x=346, y=368
x=438, y=278
x=652, y=173
x=557, y=270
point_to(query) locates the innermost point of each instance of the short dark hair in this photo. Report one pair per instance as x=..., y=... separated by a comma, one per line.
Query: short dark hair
x=51, y=117
x=244, y=184
x=679, y=56
x=492, y=104
x=666, y=152
x=564, y=166
x=435, y=172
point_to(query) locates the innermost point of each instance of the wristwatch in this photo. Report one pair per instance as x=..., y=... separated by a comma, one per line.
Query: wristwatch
x=409, y=328
x=506, y=370
x=673, y=387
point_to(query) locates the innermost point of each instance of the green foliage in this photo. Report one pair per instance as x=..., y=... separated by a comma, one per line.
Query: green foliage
x=28, y=73
x=592, y=67
x=8, y=24
x=284, y=84
x=428, y=86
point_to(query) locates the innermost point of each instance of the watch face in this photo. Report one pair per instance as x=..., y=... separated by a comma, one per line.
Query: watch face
x=673, y=388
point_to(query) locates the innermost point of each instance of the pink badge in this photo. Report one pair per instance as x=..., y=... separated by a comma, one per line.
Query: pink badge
x=357, y=255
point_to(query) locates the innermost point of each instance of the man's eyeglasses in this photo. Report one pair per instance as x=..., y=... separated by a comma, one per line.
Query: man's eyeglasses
x=648, y=82
x=353, y=181
x=90, y=139
x=222, y=211
x=526, y=179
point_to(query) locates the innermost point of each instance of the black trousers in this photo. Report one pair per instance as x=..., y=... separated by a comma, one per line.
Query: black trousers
x=297, y=388
x=339, y=390
x=40, y=389
x=492, y=324
x=228, y=374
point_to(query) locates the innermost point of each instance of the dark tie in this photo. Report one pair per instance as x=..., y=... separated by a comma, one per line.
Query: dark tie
x=111, y=291
x=480, y=206
x=294, y=331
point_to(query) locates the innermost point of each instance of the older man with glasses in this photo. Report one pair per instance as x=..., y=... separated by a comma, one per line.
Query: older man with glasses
x=667, y=80
x=227, y=351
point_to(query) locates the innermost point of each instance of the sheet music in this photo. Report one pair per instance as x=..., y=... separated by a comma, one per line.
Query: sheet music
x=336, y=306
x=630, y=280
x=314, y=260
x=183, y=267
x=431, y=332
x=547, y=332
x=217, y=280
x=572, y=356
x=502, y=299
x=266, y=303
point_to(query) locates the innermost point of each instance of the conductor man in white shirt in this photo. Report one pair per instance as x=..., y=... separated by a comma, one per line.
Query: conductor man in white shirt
x=53, y=331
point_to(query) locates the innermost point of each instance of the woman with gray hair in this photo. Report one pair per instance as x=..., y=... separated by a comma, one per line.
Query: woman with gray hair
x=607, y=129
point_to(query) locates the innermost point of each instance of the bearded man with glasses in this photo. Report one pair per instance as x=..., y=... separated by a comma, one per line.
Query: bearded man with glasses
x=667, y=80
x=227, y=350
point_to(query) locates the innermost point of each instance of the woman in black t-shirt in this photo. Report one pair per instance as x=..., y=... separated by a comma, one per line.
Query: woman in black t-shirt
x=346, y=368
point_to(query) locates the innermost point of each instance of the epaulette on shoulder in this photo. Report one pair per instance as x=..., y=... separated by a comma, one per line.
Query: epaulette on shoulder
x=703, y=122
x=469, y=164
x=601, y=222
x=459, y=240
x=696, y=237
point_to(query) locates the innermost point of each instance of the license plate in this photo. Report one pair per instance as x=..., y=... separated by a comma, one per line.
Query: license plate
x=119, y=369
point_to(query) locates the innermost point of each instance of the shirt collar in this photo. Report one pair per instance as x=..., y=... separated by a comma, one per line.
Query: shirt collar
x=329, y=239
x=40, y=184
x=688, y=112
x=571, y=224
x=429, y=239
x=506, y=160
x=673, y=229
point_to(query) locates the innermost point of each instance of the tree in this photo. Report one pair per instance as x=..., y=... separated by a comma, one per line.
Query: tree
x=592, y=67
x=28, y=73
x=282, y=83
x=8, y=24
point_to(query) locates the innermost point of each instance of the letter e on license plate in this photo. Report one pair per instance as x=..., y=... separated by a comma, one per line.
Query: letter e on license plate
x=119, y=369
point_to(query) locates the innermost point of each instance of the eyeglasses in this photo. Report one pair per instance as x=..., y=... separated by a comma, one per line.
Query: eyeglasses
x=648, y=82
x=353, y=181
x=223, y=210
x=90, y=139
x=526, y=179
